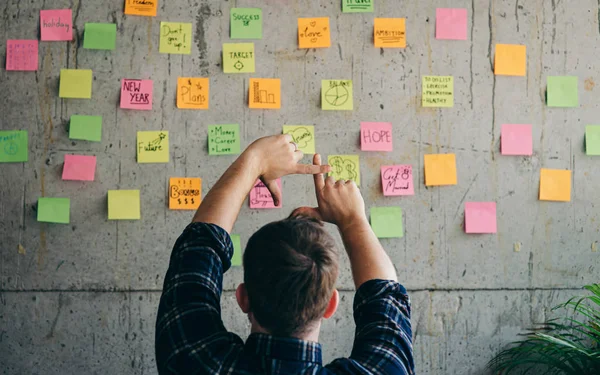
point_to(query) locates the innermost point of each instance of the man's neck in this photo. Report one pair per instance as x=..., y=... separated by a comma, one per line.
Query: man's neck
x=312, y=335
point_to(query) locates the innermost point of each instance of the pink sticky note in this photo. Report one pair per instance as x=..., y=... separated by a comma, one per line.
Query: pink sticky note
x=516, y=140
x=260, y=197
x=480, y=217
x=451, y=23
x=79, y=168
x=136, y=94
x=376, y=136
x=22, y=55
x=56, y=24
x=397, y=180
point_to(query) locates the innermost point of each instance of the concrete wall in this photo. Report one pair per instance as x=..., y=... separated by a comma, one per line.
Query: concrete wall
x=81, y=298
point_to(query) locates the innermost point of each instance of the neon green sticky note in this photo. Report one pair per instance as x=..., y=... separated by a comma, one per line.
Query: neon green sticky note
x=303, y=135
x=438, y=91
x=562, y=91
x=387, y=222
x=175, y=37
x=54, y=210
x=153, y=147
x=592, y=140
x=86, y=128
x=236, y=259
x=75, y=84
x=246, y=23
x=13, y=146
x=336, y=94
x=357, y=6
x=238, y=58
x=124, y=205
x=100, y=36
x=224, y=139
x=344, y=167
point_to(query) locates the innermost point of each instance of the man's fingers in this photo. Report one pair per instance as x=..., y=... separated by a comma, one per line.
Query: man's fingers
x=274, y=190
x=298, y=155
x=330, y=181
x=319, y=178
x=308, y=212
x=288, y=138
x=312, y=169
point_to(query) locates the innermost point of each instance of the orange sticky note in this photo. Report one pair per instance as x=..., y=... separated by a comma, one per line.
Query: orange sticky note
x=390, y=33
x=265, y=93
x=440, y=169
x=511, y=60
x=192, y=93
x=555, y=185
x=185, y=193
x=141, y=7
x=314, y=32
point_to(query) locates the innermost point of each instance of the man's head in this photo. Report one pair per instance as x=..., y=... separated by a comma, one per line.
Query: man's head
x=290, y=270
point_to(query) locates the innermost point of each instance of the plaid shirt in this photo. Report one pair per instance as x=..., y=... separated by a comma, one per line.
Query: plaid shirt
x=191, y=338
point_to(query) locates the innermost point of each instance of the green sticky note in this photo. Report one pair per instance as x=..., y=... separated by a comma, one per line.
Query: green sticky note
x=438, y=91
x=238, y=58
x=175, y=37
x=592, y=140
x=100, y=36
x=387, y=222
x=236, y=259
x=54, y=210
x=357, y=6
x=75, y=83
x=246, y=23
x=562, y=91
x=344, y=167
x=224, y=139
x=86, y=128
x=336, y=94
x=13, y=146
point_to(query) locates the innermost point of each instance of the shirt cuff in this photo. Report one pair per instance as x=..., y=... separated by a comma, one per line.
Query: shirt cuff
x=378, y=289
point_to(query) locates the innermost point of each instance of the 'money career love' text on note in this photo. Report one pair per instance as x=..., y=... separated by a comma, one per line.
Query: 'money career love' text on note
x=224, y=139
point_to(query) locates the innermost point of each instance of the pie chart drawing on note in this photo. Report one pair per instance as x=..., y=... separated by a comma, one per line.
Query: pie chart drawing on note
x=337, y=96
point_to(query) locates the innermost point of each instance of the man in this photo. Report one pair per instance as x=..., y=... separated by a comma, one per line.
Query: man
x=290, y=269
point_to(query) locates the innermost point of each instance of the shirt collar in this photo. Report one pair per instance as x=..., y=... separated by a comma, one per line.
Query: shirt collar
x=286, y=348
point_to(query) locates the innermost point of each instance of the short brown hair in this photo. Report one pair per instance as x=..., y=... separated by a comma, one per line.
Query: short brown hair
x=290, y=270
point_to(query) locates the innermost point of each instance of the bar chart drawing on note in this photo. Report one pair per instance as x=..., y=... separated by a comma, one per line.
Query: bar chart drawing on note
x=337, y=96
x=262, y=96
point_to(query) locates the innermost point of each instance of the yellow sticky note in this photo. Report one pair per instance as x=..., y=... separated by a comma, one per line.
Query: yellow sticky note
x=264, y=93
x=153, y=147
x=192, y=93
x=510, y=60
x=303, y=135
x=345, y=167
x=438, y=91
x=175, y=37
x=314, y=32
x=440, y=169
x=238, y=58
x=555, y=185
x=141, y=7
x=124, y=205
x=185, y=193
x=75, y=83
x=390, y=33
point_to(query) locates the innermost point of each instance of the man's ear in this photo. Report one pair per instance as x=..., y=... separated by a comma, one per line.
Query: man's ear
x=241, y=295
x=333, y=304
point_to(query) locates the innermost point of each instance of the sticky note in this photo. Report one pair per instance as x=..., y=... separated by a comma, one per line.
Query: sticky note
x=438, y=91
x=562, y=91
x=555, y=185
x=141, y=7
x=516, y=140
x=511, y=60
x=13, y=146
x=136, y=94
x=451, y=23
x=175, y=38
x=192, y=93
x=376, y=136
x=54, y=210
x=387, y=222
x=56, y=25
x=357, y=6
x=314, y=32
x=397, y=180
x=238, y=58
x=185, y=193
x=124, y=205
x=390, y=33
x=480, y=217
x=345, y=167
x=224, y=139
x=153, y=146
x=86, y=128
x=336, y=95
x=236, y=259
x=260, y=196
x=79, y=168
x=246, y=23
x=75, y=84
x=440, y=169
x=592, y=140
x=22, y=55
x=264, y=93
x=100, y=36
x=303, y=135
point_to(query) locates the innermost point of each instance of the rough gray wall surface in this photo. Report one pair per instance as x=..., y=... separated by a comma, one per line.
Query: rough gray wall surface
x=83, y=297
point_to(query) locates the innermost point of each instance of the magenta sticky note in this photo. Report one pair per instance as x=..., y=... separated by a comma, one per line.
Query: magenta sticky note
x=397, y=180
x=516, y=139
x=376, y=136
x=480, y=217
x=136, y=94
x=260, y=197
x=79, y=168
x=451, y=23
x=22, y=55
x=56, y=25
